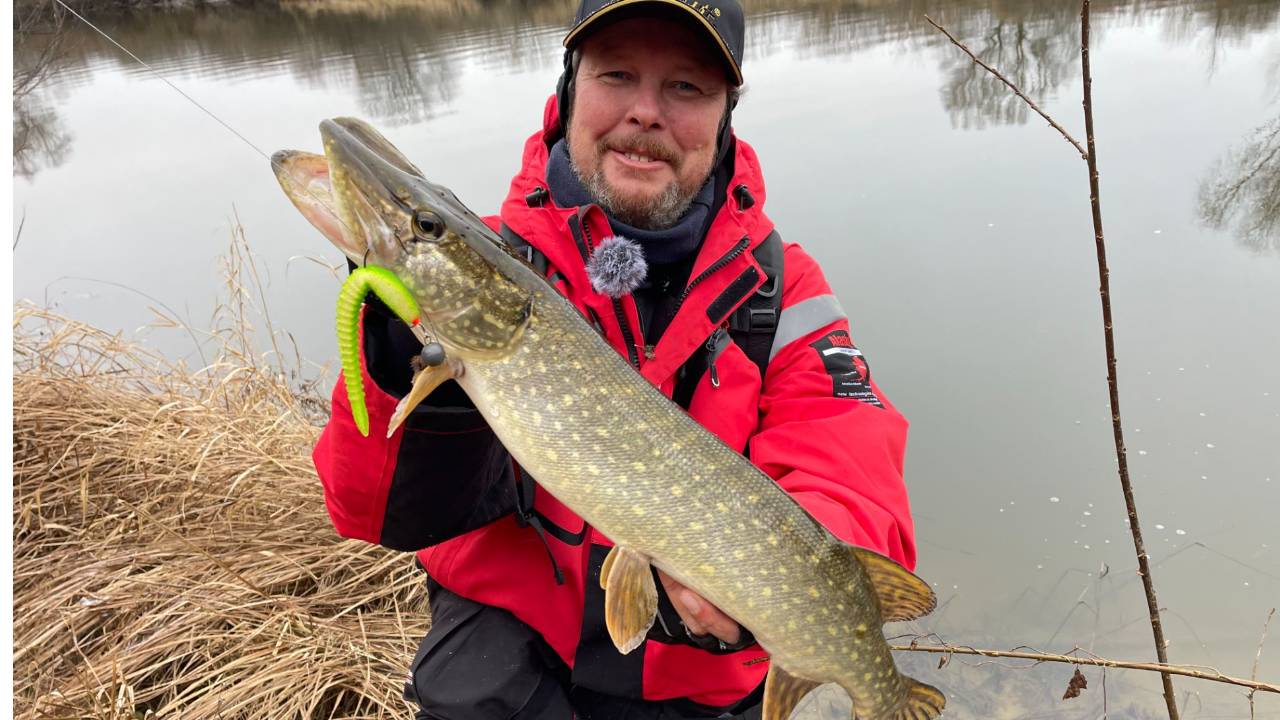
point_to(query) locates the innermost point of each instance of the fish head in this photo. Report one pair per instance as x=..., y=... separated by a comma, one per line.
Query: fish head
x=379, y=209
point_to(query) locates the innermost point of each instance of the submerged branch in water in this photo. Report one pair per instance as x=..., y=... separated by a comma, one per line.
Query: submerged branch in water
x=1258, y=657
x=1198, y=672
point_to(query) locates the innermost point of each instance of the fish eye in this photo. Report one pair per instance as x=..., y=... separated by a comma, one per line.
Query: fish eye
x=427, y=226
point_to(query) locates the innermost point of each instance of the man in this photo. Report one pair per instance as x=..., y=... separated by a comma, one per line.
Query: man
x=647, y=97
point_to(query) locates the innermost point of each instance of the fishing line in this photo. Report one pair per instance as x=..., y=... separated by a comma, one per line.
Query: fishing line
x=195, y=102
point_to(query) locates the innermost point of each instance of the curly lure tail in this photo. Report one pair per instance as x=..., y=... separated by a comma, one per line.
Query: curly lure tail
x=391, y=291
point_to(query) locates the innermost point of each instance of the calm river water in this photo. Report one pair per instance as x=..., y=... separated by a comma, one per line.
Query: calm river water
x=954, y=227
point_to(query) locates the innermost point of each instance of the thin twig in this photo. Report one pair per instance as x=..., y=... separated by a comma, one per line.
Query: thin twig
x=1104, y=694
x=18, y=235
x=1008, y=83
x=1104, y=291
x=1256, y=658
x=238, y=236
x=1164, y=668
x=175, y=317
x=1113, y=384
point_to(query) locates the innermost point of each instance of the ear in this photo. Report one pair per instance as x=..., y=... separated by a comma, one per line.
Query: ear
x=564, y=88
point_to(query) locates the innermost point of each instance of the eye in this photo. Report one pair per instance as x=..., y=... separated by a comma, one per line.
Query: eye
x=427, y=226
x=686, y=89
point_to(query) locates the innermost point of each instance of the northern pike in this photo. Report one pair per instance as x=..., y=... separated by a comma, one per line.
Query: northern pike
x=612, y=447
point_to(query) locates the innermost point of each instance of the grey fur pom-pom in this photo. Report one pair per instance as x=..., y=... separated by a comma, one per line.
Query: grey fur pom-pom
x=617, y=266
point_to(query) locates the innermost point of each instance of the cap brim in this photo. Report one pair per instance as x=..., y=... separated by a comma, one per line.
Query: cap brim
x=602, y=12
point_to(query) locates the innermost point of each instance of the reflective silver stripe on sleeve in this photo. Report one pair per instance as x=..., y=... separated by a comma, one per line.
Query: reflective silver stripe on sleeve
x=803, y=318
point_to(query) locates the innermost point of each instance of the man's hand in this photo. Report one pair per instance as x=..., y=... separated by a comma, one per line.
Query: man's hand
x=700, y=616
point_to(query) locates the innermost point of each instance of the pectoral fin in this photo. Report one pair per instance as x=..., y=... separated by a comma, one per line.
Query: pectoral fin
x=630, y=597
x=782, y=692
x=903, y=596
x=424, y=382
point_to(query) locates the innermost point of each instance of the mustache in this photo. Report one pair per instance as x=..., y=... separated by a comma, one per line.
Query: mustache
x=641, y=145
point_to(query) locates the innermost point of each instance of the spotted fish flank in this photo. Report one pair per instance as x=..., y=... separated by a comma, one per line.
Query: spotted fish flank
x=612, y=448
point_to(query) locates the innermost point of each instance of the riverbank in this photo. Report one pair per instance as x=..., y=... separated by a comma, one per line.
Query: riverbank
x=172, y=557
x=457, y=8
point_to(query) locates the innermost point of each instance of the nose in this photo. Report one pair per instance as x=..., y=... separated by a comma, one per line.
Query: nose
x=645, y=112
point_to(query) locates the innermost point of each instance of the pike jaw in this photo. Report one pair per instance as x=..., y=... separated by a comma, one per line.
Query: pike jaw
x=366, y=197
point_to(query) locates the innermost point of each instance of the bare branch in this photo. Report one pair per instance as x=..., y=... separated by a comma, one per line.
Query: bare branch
x=1256, y=658
x=1113, y=382
x=1104, y=292
x=1014, y=88
x=1199, y=673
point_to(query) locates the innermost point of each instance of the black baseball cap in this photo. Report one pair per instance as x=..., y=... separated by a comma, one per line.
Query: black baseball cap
x=722, y=19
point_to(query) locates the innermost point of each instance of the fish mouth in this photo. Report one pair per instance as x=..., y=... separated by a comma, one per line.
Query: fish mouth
x=357, y=193
x=372, y=183
x=304, y=177
x=377, y=207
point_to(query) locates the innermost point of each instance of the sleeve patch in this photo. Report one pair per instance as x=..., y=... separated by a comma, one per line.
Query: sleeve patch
x=850, y=374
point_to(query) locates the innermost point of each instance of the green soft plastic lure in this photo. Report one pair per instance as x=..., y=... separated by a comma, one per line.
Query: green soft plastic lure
x=395, y=295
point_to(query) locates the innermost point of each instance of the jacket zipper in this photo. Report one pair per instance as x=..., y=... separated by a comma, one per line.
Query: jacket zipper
x=716, y=344
x=725, y=259
x=620, y=314
x=627, y=337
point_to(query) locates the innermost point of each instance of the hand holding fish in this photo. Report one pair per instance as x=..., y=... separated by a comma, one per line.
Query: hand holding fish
x=700, y=616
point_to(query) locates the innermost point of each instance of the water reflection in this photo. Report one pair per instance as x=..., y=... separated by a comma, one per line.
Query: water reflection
x=1037, y=45
x=1242, y=191
x=39, y=139
x=1039, y=54
x=930, y=256
x=403, y=60
x=404, y=57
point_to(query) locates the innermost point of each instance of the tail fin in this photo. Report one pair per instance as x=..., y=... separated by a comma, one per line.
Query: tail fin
x=923, y=702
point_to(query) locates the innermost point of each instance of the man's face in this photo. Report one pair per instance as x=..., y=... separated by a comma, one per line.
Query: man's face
x=649, y=97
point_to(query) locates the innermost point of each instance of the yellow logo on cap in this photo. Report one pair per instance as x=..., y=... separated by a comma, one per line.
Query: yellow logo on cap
x=706, y=10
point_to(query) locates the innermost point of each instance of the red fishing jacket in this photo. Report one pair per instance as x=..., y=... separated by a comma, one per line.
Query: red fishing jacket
x=815, y=423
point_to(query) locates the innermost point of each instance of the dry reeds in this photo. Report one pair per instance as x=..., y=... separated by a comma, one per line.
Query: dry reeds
x=172, y=557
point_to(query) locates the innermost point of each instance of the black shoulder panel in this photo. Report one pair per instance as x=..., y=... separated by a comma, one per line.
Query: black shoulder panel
x=754, y=323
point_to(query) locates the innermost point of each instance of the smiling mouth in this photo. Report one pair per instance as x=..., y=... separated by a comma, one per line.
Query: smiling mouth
x=639, y=160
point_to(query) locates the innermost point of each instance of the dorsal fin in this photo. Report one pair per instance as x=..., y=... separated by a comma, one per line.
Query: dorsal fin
x=903, y=596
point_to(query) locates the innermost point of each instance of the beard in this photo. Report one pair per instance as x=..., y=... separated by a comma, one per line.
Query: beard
x=658, y=212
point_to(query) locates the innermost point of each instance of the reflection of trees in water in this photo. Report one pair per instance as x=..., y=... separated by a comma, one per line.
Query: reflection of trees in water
x=405, y=58
x=1039, y=54
x=1242, y=190
x=39, y=43
x=39, y=139
x=1037, y=45
x=1227, y=24
x=403, y=61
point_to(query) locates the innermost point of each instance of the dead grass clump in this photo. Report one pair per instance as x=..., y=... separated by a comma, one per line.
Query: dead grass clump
x=172, y=557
